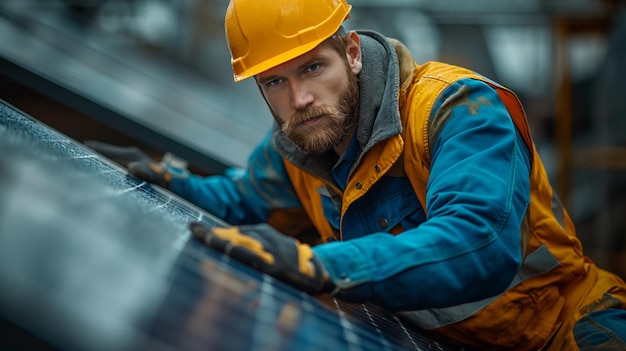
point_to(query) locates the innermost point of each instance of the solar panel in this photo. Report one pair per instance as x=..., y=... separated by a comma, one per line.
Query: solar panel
x=92, y=259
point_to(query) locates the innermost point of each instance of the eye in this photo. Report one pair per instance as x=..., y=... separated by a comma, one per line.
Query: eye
x=273, y=82
x=313, y=68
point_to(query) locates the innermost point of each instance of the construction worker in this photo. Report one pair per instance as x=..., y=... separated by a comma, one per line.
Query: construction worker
x=421, y=183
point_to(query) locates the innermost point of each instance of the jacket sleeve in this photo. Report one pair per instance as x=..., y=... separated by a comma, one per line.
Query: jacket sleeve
x=243, y=195
x=477, y=194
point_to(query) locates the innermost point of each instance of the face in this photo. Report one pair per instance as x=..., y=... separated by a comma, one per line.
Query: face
x=314, y=97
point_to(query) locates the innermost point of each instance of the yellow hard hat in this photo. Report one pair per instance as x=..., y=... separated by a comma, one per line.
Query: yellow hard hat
x=264, y=34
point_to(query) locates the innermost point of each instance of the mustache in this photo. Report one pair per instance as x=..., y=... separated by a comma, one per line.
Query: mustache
x=306, y=114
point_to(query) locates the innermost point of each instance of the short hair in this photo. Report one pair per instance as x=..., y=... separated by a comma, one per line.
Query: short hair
x=338, y=41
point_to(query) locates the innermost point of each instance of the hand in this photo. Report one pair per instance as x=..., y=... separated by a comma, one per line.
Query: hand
x=151, y=172
x=263, y=248
x=140, y=165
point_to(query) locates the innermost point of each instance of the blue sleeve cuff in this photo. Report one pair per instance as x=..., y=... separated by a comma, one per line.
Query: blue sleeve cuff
x=346, y=263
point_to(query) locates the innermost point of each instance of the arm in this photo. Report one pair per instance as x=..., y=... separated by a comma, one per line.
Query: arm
x=469, y=246
x=243, y=196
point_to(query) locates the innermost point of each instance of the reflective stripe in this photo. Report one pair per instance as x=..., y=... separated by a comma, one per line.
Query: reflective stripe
x=538, y=262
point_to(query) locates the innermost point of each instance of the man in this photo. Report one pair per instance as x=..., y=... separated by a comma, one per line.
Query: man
x=421, y=182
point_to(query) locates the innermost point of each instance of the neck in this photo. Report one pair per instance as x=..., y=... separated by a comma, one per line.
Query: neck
x=341, y=148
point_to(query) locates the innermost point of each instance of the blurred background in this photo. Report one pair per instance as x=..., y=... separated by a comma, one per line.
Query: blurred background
x=156, y=74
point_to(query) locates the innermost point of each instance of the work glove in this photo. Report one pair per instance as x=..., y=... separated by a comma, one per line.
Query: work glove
x=140, y=165
x=265, y=249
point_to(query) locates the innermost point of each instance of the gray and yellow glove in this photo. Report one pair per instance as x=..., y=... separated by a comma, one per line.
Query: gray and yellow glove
x=140, y=165
x=265, y=249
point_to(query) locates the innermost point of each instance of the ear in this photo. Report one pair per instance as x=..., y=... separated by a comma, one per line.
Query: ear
x=353, y=52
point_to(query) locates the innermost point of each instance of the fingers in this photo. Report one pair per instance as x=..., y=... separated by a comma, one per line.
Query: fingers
x=234, y=237
x=198, y=230
x=232, y=242
x=268, y=251
x=150, y=172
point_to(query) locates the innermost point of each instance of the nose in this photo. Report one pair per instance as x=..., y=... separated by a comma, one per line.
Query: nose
x=301, y=95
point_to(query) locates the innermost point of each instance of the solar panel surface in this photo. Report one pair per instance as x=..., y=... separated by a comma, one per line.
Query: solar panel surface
x=92, y=259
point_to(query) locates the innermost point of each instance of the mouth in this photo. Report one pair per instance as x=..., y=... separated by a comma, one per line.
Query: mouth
x=312, y=120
